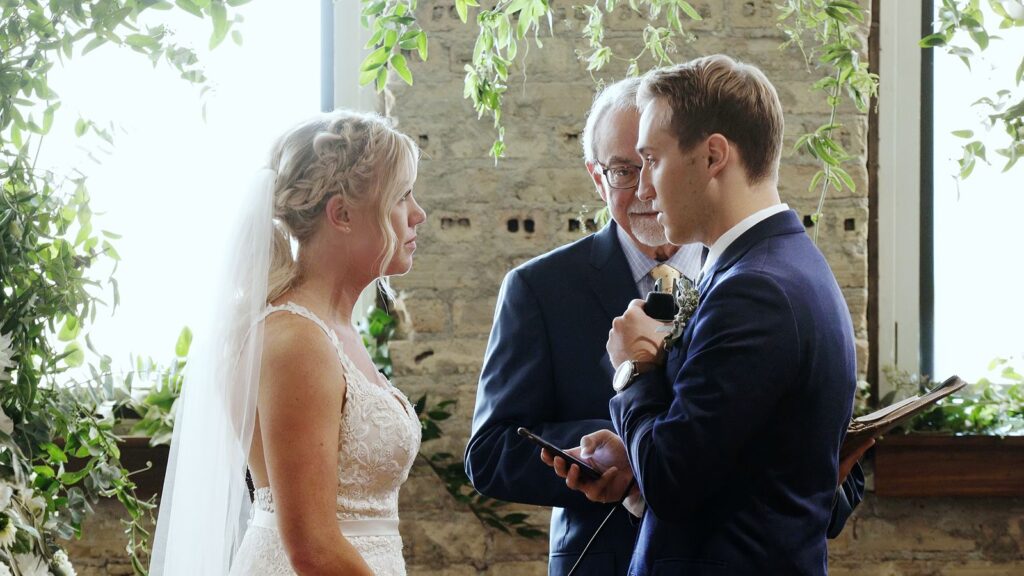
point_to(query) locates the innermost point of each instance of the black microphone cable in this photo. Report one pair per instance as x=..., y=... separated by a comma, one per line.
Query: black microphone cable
x=611, y=513
x=660, y=306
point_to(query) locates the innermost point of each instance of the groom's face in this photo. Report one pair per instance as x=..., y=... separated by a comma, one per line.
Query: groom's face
x=616, y=150
x=673, y=180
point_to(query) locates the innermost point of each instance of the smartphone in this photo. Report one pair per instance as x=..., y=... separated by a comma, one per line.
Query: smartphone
x=586, y=470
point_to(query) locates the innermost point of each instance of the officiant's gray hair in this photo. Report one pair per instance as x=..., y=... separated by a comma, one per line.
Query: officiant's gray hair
x=613, y=98
x=358, y=156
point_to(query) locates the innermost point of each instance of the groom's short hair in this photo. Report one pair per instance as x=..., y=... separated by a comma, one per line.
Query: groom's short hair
x=716, y=94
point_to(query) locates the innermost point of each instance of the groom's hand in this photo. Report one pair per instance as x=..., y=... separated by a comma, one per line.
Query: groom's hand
x=636, y=336
x=605, y=452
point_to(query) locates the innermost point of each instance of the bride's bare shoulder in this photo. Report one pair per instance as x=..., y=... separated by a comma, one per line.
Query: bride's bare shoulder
x=298, y=354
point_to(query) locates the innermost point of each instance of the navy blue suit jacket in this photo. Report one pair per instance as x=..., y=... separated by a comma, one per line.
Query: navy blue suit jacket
x=734, y=445
x=546, y=368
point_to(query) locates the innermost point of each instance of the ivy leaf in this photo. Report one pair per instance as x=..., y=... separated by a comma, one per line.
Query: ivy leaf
x=980, y=37
x=141, y=41
x=374, y=60
x=220, y=24
x=74, y=356
x=963, y=133
x=932, y=41
x=690, y=11
x=184, y=342
x=401, y=68
x=190, y=7
x=421, y=46
x=69, y=331
x=374, y=9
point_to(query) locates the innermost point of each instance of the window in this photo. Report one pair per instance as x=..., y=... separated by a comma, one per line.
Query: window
x=976, y=226
x=949, y=256
x=170, y=180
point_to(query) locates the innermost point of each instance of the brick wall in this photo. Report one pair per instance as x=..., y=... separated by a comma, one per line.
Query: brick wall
x=468, y=244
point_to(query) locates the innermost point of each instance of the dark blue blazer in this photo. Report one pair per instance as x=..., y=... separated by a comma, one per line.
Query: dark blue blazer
x=734, y=445
x=546, y=368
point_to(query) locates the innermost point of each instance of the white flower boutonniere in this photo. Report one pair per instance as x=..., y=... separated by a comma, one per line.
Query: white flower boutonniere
x=687, y=299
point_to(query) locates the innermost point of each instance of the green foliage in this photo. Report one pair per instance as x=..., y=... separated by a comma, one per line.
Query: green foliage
x=156, y=408
x=49, y=289
x=376, y=330
x=144, y=396
x=395, y=34
x=965, y=18
x=835, y=27
x=665, y=26
x=993, y=405
x=502, y=33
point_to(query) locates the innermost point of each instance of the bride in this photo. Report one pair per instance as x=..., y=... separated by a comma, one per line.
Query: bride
x=286, y=386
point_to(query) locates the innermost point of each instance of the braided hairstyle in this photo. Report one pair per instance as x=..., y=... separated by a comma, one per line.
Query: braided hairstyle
x=355, y=155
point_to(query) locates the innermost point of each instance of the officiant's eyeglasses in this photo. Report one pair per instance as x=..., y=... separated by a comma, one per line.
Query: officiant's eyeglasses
x=621, y=176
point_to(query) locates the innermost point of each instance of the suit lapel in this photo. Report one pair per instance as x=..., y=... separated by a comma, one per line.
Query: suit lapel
x=610, y=277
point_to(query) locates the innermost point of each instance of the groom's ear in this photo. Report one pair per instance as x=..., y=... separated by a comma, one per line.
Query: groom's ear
x=337, y=214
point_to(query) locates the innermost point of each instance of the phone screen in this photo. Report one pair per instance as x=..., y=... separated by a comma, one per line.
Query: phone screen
x=586, y=469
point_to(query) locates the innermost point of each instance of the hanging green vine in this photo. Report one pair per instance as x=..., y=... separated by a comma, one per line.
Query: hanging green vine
x=500, y=31
x=836, y=29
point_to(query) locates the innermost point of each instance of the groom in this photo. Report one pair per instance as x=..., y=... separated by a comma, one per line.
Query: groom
x=732, y=432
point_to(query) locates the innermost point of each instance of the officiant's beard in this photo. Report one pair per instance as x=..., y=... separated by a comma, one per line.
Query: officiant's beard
x=643, y=222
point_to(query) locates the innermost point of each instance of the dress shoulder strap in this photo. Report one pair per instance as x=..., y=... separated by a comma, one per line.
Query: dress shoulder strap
x=294, y=308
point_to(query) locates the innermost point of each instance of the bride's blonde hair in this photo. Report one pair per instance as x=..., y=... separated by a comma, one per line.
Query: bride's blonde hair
x=355, y=155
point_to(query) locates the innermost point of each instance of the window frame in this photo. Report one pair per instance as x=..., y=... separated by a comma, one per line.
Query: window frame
x=904, y=221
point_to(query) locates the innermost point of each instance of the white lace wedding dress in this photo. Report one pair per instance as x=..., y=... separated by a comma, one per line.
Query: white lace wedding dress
x=377, y=443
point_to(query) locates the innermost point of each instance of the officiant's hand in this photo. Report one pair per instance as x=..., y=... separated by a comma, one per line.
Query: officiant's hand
x=636, y=336
x=605, y=452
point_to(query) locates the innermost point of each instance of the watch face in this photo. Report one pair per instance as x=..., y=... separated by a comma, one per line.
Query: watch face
x=623, y=376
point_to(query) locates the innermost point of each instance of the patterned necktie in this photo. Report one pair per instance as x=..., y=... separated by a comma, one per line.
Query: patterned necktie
x=665, y=277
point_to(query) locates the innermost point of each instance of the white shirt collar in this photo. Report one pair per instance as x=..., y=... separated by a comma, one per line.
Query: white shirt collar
x=718, y=248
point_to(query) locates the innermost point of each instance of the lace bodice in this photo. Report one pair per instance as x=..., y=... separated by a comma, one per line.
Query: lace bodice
x=378, y=440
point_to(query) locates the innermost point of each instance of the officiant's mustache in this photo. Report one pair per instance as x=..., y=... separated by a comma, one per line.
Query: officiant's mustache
x=639, y=207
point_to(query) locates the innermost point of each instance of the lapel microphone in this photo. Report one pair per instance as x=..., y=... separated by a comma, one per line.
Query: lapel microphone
x=661, y=304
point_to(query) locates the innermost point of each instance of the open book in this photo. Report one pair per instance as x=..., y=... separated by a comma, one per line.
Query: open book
x=881, y=421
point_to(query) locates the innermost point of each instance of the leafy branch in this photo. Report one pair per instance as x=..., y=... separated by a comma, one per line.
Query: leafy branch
x=659, y=41
x=1005, y=109
x=500, y=31
x=56, y=454
x=395, y=32
x=835, y=27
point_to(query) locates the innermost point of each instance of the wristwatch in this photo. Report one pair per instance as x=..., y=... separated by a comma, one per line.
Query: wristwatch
x=627, y=372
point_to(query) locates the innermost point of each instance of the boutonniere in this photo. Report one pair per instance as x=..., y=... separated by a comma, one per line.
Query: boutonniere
x=687, y=299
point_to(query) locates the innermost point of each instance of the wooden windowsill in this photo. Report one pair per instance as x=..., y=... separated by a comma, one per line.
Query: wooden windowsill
x=924, y=465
